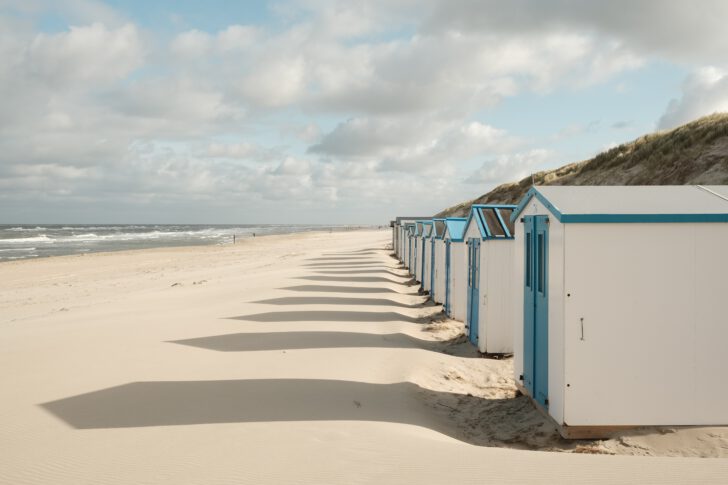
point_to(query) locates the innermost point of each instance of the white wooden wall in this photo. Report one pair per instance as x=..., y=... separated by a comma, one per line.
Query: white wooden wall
x=496, y=318
x=655, y=322
x=459, y=282
x=653, y=298
x=428, y=265
x=439, y=271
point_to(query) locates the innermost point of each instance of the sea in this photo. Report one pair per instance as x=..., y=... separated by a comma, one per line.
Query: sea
x=39, y=241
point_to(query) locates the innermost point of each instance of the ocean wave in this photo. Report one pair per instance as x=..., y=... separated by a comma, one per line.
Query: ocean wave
x=23, y=229
x=17, y=249
x=23, y=240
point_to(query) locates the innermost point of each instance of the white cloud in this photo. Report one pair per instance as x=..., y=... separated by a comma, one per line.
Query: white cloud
x=193, y=43
x=704, y=92
x=674, y=29
x=90, y=53
x=413, y=146
x=511, y=167
x=105, y=110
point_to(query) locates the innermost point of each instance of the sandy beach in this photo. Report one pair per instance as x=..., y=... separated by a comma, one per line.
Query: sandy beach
x=305, y=358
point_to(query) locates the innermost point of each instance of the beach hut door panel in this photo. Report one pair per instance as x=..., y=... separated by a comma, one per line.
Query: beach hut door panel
x=422, y=266
x=432, y=269
x=473, y=288
x=535, y=308
x=447, y=277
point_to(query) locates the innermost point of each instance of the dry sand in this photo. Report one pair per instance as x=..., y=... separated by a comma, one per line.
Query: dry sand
x=303, y=358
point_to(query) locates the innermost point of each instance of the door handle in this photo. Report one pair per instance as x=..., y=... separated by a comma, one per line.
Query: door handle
x=582, y=328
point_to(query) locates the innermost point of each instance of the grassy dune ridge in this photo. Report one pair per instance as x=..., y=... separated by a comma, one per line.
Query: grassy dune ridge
x=695, y=153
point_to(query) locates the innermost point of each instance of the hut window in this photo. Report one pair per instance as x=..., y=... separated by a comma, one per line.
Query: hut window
x=528, y=260
x=506, y=216
x=540, y=274
x=491, y=219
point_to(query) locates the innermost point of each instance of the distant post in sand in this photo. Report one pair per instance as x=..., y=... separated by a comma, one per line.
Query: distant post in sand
x=233, y=238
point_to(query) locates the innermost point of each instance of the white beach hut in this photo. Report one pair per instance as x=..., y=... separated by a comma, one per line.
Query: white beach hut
x=437, y=272
x=455, y=268
x=409, y=245
x=490, y=252
x=622, y=298
x=423, y=263
x=400, y=235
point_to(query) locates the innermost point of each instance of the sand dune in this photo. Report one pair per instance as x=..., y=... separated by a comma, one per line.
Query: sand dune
x=255, y=363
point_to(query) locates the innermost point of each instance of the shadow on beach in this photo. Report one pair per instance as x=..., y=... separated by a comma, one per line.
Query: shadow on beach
x=336, y=300
x=267, y=341
x=175, y=403
x=354, y=279
x=346, y=264
x=343, y=289
x=363, y=271
x=329, y=316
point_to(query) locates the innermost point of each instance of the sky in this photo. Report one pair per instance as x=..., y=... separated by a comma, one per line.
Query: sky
x=315, y=111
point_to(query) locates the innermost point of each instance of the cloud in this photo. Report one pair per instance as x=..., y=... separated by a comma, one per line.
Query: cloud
x=325, y=107
x=676, y=30
x=511, y=167
x=704, y=92
x=412, y=146
x=90, y=53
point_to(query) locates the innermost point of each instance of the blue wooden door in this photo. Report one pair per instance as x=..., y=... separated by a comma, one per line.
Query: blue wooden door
x=432, y=269
x=409, y=255
x=447, y=277
x=473, y=289
x=535, y=308
x=414, y=260
x=422, y=265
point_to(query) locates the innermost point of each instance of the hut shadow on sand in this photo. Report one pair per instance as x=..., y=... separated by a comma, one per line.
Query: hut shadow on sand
x=336, y=300
x=342, y=289
x=508, y=422
x=308, y=340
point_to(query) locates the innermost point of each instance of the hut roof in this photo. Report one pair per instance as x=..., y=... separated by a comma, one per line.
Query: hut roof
x=634, y=203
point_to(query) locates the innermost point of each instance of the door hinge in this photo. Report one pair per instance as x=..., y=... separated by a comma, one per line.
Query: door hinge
x=546, y=401
x=523, y=219
x=520, y=377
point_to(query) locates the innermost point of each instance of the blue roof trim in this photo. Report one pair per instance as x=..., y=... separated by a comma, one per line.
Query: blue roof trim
x=481, y=229
x=613, y=218
x=533, y=192
x=456, y=224
x=643, y=218
x=425, y=225
x=434, y=227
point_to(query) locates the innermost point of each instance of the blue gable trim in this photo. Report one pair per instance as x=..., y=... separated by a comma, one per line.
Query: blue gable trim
x=434, y=232
x=451, y=223
x=533, y=192
x=613, y=218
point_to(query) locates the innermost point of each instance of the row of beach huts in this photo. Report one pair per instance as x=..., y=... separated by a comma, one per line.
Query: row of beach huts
x=613, y=300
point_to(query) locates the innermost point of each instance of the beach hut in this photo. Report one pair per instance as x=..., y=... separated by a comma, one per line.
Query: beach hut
x=400, y=235
x=622, y=301
x=415, y=249
x=424, y=245
x=427, y=260
x=489, y=302
x=409, y=242
x=437, y=272
x=455, y=268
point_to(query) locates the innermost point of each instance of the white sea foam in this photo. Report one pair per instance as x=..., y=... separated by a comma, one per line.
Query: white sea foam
x=23, y=240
